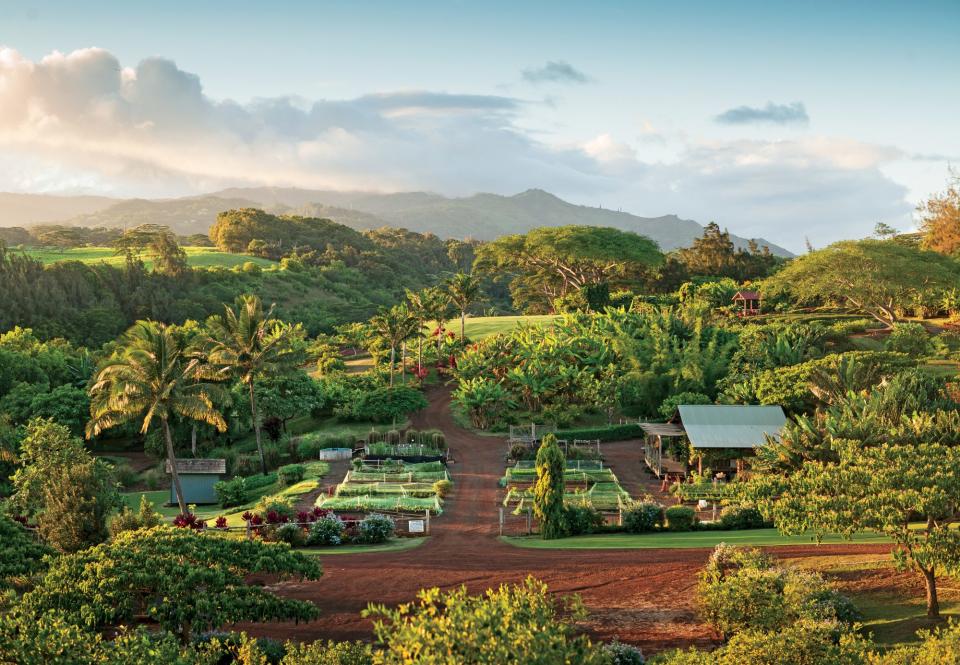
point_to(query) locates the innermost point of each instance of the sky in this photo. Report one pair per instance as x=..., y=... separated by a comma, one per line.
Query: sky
x=794, y=122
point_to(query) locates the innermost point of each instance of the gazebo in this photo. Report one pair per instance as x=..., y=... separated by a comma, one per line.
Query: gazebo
x=748, y=302
x=197, y=478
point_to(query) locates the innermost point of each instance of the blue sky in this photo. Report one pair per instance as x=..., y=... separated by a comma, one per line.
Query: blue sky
x=782, y=120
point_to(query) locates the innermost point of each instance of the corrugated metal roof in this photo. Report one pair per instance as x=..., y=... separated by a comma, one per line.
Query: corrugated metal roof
x=212, y=466
x=725, y=426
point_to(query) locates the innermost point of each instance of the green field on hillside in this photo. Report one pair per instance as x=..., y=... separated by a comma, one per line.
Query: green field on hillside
x=479, y=327
x=197, y=257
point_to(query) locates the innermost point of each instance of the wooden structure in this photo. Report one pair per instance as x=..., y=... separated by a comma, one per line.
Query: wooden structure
x=197, y=478
x=748, y=302
x=653, y=448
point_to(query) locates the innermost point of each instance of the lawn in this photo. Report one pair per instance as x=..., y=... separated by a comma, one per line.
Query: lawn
x=197, y=257
x=479, y=327
x=753, y=537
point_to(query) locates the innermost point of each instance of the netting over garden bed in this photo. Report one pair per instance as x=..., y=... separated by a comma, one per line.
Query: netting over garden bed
x=370, y=503
x=392, y=485
x=586, y=483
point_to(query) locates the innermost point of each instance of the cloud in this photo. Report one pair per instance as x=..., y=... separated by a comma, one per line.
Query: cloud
x=777, y=114
x=82, y=122
x=555, y=71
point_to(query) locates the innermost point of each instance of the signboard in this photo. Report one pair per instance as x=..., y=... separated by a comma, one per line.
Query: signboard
x=415, y=526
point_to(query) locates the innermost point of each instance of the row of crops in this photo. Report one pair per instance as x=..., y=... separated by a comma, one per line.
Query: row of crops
x=392, y=487
x=589, y=485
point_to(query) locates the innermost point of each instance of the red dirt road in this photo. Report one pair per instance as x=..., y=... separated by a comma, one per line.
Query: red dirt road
x=642, y=597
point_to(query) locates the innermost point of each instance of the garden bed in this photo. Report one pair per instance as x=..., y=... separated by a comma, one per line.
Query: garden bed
x=393, y=487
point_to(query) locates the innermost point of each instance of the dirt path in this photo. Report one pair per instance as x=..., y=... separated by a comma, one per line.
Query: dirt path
x=643, y=597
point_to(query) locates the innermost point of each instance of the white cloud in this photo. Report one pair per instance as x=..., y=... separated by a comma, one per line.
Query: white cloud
x=82, y=121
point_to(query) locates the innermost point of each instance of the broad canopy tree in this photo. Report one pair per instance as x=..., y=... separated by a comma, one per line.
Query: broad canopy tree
x=874, y=277
x=552, y=262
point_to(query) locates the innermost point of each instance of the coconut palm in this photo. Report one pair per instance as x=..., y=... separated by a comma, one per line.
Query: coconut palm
x=464, y=291
x=248, y=344
x=427, y=305
x=152, y=377
x=395, y=326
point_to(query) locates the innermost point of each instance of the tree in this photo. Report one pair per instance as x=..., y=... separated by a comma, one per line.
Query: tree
x=430, y=304
x=940, y=218
x=161, y=244
x=152, y=377
x=182, y=580
x=548, y=490
x=46, y=448
x=249, y=343
x=512, y=624
x=873, y=277
x=714, y=255
x=881, y=489
x=884, y=231
x=395, y=326
x=465, y=290
x=78, y=499
x=551, y=262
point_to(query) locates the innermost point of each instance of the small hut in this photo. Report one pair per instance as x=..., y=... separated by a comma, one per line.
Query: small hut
x=197, y=478
x=748, y=303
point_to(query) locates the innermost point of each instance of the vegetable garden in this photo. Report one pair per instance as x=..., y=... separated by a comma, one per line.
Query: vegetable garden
x=587, y=483
x=393, y=486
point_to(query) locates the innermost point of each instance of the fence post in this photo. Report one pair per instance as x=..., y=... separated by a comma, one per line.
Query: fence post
x=427, y=520
x=249, y=531
x=501, y=520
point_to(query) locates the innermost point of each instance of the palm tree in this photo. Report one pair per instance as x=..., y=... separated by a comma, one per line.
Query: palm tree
x=152, y=376
x=432, y=304
x=395, y=325
x=249, y=343
x=464, y=291
x=419, y=308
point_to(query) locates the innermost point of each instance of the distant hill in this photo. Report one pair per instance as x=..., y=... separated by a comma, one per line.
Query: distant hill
x=30, y=209
x=481, y=216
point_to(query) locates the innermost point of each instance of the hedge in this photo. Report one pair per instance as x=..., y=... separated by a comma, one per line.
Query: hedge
x=604, y=433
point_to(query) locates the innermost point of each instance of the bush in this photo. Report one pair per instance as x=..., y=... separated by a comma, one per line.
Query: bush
x=384, y=405
x=291, y=534
x=668, y=408
x=127, y=520
x=741, y=517
x=581, y=519
x=623, y=654
x=521, y=451
x=375, y=528
x=681, y=518
x=274, y=510
x=231, y=492
x=910, y=338
x=330, y=653
x=125, y=476
x=291, y=474
x=442, y=488
x=643, y=517
x=154, y=479
x=327, y=530
x=604, y=433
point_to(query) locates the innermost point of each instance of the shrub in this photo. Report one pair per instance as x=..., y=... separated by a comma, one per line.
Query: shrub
x=442, y=488
x=291, y=474
x=520, y=451
x=741, y=517
x=327, y=530
x=274, y=511
x=329, y=653
x=127, y=520
x=604, y=433
x=154, y=479
x=643, y=517
x=291, y=534
x=231, y=492
x=669, y=406
x=623, y=654
x=375, y=528
x=20, y=553
x=125, y=476
x=581, y=519
x=681, y=518
x=910, y=338
x=438, y=440
x=384, y=405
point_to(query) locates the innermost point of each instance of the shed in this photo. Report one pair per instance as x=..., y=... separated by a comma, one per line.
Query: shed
x=197, y=478
x=730, y=426
x=748, y=301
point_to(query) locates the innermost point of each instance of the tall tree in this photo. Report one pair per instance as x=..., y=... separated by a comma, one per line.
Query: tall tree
x=940, y=218
x=873, y=277
x=465, y=290
x=431, y=304
x=151, y=377
x=548, y=491
x=395, y=326
x=553, y=262
x=249, y=343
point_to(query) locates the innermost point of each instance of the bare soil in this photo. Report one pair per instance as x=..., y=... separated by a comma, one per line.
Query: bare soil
x=642, y=597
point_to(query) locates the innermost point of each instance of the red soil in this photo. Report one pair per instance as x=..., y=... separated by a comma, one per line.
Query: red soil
x=643, y=597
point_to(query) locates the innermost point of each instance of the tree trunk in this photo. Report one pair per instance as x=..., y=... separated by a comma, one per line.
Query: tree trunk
x=463, y=324
x=172, y=460
x=933, y=604
x=419, y=352
x=393, y=355
x=403, y=363
x=193, y=440
x=256, y=429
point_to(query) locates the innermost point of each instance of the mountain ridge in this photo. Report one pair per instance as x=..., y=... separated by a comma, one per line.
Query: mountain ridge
x=483, y=216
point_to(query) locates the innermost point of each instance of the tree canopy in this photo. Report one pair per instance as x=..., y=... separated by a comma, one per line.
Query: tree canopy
x=880, y=278
x=552, y=262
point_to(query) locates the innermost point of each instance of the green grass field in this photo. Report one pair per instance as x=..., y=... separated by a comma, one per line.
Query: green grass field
x=751, y=537
x=197, y=257
x=479, y=327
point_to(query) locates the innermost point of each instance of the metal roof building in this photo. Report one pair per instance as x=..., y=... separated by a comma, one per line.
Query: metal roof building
x=730, y=426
